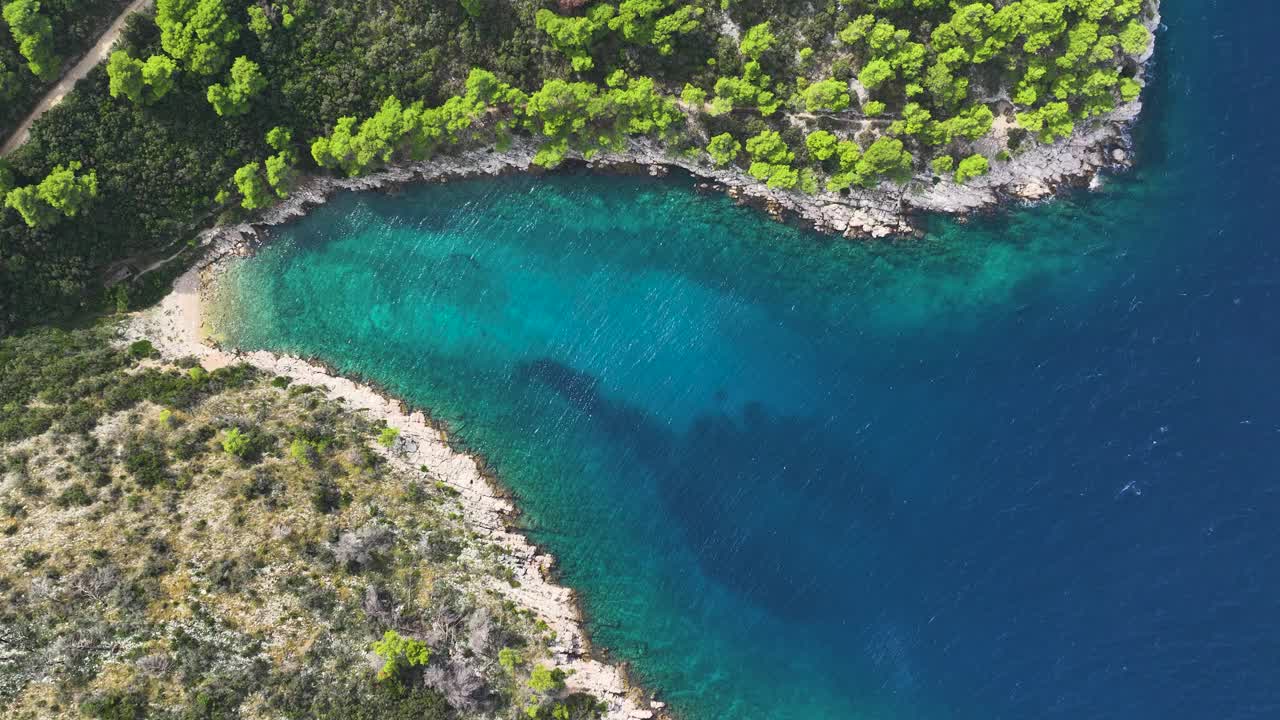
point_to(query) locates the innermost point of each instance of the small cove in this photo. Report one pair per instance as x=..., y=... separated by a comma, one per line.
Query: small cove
x=1010, y=470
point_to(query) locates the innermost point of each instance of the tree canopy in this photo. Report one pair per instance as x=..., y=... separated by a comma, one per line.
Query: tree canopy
x=196, y=32
x=33, y=32
x=233, y=98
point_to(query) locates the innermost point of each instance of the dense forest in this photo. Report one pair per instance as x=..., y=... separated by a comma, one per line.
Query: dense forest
x=213, y=108
x=180, y=544
x=40, y=38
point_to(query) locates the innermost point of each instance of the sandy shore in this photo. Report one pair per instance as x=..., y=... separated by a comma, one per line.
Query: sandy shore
x=175, y=327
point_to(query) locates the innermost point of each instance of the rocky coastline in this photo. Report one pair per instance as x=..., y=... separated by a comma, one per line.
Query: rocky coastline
x=887, y=210
x=1036, y=173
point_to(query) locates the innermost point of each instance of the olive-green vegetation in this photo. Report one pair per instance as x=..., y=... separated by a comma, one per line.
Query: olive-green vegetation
x=178, y=545
x=177, y=125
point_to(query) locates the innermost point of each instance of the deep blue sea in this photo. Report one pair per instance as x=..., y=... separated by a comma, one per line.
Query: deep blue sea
x=1025, y=467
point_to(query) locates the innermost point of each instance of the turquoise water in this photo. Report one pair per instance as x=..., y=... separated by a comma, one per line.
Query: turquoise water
x=1024, y=467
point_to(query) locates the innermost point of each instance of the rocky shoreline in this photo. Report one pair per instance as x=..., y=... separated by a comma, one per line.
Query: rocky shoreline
x=1036, y=173
x=886, y=210
x=174, y=327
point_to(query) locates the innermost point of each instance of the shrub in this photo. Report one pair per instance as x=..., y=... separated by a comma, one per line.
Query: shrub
x=32, y=559
x=509, y=659
x=400, y=654
x=142, y=349
x=146, y=461
x=74, y=495
x=325, y=496
x=236, y=443
x=115, y=705
x=546, y=680
x=388, y=436
x=303, y=451
x=971, y=167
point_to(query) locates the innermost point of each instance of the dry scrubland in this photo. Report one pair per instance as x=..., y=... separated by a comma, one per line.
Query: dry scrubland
x=176, y=543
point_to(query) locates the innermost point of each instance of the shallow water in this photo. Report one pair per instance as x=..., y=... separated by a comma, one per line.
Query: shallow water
x=1025, y=467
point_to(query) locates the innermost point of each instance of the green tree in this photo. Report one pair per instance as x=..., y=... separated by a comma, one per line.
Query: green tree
x=693, y=96
x=259, y=23
x=124, y=76
x=254, y=191
x=885, y=158
x=33, y=34
x=822, y=145
x=1049, y=123
x=233, y=98
x=1130, y=89
x=1135, y=38
x=970, y=124
x=758, y=40
x=357, y=146
x=771, y=160
x=943, y=164
x=971, y=167
x=388, y=436
x=62, y=191
x=158, y=75
x=646, y=22
x=26, y=201
x=875, y=73
x=747, y=90
x=196, y=32
x=848, y=154
x=915, y=121
x=829, y=94
x=280, y=174
x=510, y=659
x=280, y=167
x=724, y=149
x=65, y=191
x=856, y=31
x=138, y=81
x=684, y=20
x=303, y=451
x=574, y=36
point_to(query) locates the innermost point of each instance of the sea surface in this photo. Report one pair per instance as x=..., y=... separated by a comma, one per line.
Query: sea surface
x=1025, y=467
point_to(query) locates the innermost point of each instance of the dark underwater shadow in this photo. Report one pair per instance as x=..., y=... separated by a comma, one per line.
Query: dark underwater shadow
x=779, y=509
